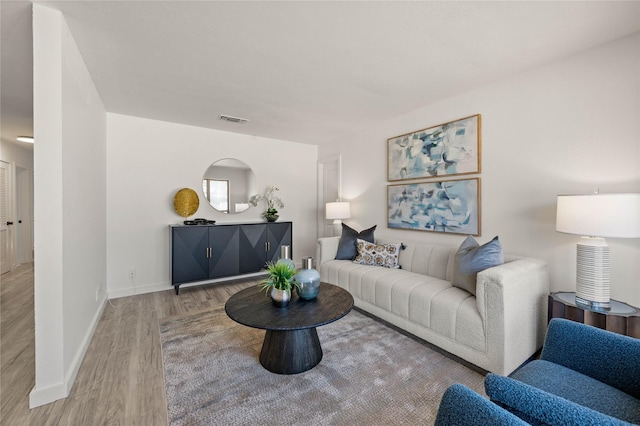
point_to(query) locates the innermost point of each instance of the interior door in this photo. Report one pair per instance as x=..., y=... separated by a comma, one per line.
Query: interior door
x=5, y=240
x=23, y=221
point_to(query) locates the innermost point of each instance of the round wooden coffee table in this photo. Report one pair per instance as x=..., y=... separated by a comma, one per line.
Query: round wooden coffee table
x=291, y=343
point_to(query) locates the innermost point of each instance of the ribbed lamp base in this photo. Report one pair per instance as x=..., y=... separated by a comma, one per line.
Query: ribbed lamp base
x=592, y=273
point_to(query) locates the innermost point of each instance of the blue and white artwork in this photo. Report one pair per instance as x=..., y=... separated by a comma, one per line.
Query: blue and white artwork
x=449, y=206
x=448, y=149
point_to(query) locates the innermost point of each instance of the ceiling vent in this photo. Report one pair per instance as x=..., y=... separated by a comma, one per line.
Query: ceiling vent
x=232, y=119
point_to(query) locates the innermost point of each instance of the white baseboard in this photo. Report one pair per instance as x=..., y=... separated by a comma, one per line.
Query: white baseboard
x=49, y=394
x=133, y=290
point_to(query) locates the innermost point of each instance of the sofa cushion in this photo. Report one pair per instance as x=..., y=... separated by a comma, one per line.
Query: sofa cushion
x=385, y=255
x=472, y=258
x=432, y=260
x=423, y=300
x=347, y=245
x=581, y=389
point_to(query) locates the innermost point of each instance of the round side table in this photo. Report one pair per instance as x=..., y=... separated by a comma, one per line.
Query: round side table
x=621, y=318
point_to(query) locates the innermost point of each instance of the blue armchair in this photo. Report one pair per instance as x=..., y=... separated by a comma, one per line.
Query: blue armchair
x=460, y=406
x=585, y=376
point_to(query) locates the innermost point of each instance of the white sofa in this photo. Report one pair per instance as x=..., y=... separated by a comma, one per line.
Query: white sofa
x=496, y=330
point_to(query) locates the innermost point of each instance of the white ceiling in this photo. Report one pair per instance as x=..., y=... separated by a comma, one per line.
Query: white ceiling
x=300, y=70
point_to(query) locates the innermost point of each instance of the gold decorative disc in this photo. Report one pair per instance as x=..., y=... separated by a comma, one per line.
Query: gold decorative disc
x=186, y=202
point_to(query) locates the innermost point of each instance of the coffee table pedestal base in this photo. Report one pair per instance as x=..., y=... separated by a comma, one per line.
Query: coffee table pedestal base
x=290, y=351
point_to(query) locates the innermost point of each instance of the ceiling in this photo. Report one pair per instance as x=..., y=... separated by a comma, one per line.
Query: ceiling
x=305, y=71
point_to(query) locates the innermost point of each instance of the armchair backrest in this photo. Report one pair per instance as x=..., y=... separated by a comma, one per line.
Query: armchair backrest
x=460, y=406
x=611, y=358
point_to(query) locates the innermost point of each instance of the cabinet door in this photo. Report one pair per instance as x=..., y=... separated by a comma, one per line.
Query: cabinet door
x=278, y=234
x=225, y=247
x=253, y=239
x=189, y=260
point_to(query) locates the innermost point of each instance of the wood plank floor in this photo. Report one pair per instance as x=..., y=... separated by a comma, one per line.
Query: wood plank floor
x=120, y=381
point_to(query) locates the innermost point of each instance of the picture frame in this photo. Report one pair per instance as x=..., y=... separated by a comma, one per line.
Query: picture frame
x=448, y=149
x=449, y=206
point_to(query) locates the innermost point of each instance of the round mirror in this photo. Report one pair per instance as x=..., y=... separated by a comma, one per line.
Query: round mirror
x=228, y=184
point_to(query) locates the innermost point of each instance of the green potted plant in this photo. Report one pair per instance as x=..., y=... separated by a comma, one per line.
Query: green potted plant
x=279, y=282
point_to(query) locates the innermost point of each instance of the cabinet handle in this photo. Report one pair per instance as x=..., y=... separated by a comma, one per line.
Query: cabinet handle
x=267, y=246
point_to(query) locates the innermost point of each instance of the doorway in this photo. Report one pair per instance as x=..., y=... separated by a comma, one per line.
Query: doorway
x=6, y=251
x=16, y=217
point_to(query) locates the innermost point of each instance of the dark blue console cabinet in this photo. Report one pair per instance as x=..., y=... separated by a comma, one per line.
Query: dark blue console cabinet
x=201, y=253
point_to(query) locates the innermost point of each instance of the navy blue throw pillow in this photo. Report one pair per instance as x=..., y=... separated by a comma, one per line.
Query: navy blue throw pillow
x=347, y=246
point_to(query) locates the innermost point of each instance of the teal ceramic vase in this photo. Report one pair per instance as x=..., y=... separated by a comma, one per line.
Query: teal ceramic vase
x=307, y=280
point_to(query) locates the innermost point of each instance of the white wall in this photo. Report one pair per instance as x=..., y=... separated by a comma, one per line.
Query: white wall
x=70, y=206
x=559, y=129
x=12, y=153
x=149, y=161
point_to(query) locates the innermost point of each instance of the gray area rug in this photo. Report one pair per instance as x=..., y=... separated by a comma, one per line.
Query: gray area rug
x=369, y=374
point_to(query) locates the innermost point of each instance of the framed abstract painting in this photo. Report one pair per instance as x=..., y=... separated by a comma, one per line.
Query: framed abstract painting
x=451, y=206
x=448, y=149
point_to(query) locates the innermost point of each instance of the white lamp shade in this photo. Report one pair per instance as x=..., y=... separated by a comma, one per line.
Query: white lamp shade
x=599, y=215
x=338, y=210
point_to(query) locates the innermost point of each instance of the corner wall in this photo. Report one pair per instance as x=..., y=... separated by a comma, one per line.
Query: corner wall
x=69, y=207
x=149, y=161
x=563, y=128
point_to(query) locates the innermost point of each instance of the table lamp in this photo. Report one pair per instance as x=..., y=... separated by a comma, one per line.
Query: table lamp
x=337, y=211
x=596, y=217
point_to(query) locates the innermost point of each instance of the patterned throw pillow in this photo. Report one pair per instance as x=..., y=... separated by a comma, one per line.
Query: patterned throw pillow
x=385, y=255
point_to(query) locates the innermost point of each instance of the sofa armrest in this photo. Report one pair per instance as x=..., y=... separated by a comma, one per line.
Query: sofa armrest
x=603, y=355
x=512, y=302
x=460, y=406
x=536, y=406
x=326, y=249
x=520, y=279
